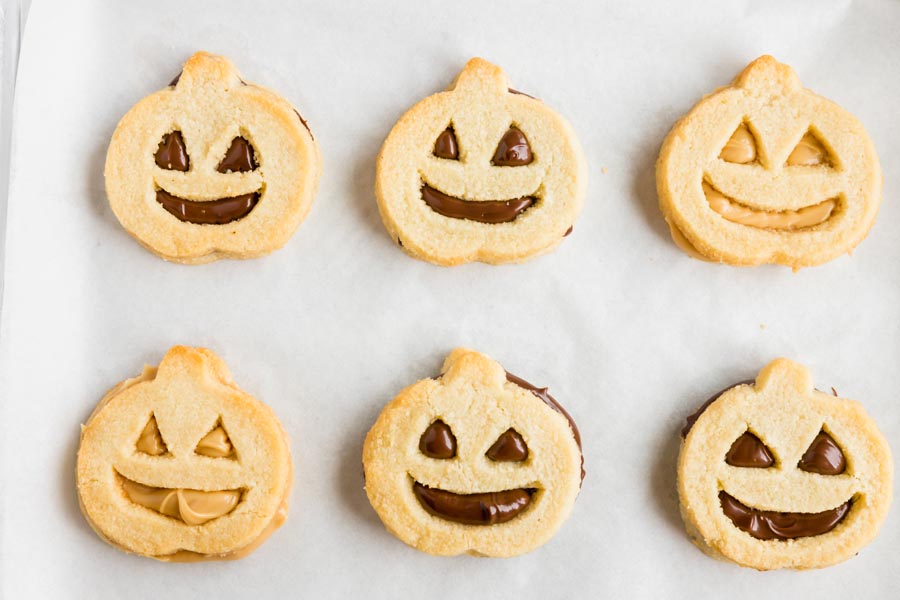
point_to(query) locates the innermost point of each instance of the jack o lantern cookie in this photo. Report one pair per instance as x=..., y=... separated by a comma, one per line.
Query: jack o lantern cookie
x=211, y=167
x=775, y=474
x=480, y=172
x=179, y=464
x=473, y=461
x=765, y=171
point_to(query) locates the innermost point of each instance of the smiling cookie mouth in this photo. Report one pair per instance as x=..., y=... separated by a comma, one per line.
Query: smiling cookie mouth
x=213, y=212
x=490, y=508
x=772, y=525
x=194, y=507
x=790, y=220
x=483, y=211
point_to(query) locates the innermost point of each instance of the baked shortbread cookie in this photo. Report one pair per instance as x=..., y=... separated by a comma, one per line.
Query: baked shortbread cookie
x=179, y=464
x=765, y=171
x=775, y=474
x=480, y=172
x=473, y=461
x=211, y=167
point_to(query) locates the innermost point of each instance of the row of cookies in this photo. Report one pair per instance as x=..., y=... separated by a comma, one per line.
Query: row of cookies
x=180, y=464
x=759, y=171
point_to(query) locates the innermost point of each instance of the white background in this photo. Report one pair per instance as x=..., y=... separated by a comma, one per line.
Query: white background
x=629, y=333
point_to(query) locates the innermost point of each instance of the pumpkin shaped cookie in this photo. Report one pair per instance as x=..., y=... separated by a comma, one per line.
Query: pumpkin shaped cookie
x=765, y=171
x=480, y=172
x=211, y=167
x=179, y=464
x=775, y=474
x=474, y=461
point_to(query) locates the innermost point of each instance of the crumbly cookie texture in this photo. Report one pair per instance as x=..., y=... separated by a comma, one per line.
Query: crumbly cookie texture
x=782, y=420
x=218, y=200
x=765, y=171
x=526, y=205
x=179, y=464
x=478, y=405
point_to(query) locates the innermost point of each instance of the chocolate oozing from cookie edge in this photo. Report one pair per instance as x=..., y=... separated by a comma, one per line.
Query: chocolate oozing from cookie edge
x=490, y=508
x=550, y=401
x=692, y=418
x=824, y=457
x=485, y=211
x=772, y=525
x=213, y=212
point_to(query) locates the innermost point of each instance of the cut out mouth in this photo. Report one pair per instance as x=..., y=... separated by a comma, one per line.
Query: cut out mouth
x=789, y=220
x=773, y=525
x=212, y=212
x=490, y=508
x=482, y=211
x=193, y=507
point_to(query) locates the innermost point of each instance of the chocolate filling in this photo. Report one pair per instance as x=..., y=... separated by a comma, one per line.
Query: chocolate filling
x=485, y=211
x=490, y=508
x=213, y=212
x=552, y=403
x=772, y=525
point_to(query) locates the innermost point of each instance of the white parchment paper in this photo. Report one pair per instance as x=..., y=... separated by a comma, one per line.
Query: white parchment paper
x=629, y=333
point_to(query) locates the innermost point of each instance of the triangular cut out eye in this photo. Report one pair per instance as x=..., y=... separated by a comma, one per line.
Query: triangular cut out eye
x=513, y=150
x=809, y=152
x=216, y=443
x=749, y=451
x=172, y=154
x=151, y=442
x=741, y=147
x=445, y=145
x=239, y=158
x=438, y=441
x=509, y=447
x=824, y=457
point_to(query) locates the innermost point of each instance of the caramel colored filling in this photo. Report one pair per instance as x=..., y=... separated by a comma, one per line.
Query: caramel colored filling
x=215, y=444
x=808, y=153
x=741, y=148
x=151, y=441
x=194, y=507
x=730, y=210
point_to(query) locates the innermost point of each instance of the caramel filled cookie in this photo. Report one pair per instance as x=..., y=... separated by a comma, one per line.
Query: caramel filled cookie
x=774, y=474
x=474, y=461
x=765, y=171
x=211, y=167
x=480, y=172
x=179, y=464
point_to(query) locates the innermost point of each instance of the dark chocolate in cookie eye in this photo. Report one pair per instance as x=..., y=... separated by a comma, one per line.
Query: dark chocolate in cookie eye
x=438, y=441
x=823, y=456
x=513, y=150
x=239, y=158
x=171, y=154
x=749, y=451
x=509, y=447
x=445, y=145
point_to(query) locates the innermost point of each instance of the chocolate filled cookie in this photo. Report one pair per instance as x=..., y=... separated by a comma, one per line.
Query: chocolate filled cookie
x=211, y=167
x=775, y=474
x=480, y=172
x=475, y=461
